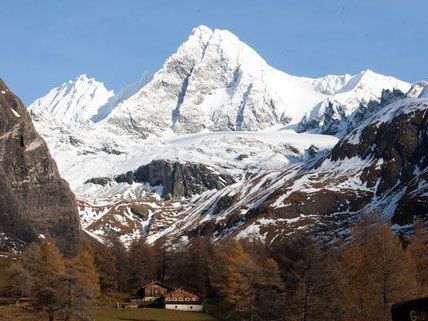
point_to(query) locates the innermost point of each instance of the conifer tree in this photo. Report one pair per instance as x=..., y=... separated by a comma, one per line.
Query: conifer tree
x=46, y=266
x=141, y=265
x=375, y=273
x=119, y=263
x=242, y=278
x=105, y=263
x=80, y=286
x=161, y=258
x=418, y=249
x=309, y=280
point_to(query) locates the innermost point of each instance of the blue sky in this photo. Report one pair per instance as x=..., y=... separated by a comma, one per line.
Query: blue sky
x=47, y=42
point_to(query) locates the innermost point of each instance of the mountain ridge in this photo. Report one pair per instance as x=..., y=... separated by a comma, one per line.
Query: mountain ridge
x=242, y=92
x=217, y=106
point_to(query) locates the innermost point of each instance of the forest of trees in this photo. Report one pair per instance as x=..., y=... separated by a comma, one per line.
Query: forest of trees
x=298, y=279
x=63, y=288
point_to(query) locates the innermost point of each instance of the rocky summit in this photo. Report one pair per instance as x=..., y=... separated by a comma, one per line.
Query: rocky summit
x=35, y=202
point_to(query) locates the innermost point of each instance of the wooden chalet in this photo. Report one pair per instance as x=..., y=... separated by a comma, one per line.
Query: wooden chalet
x=160, y=295
x=181, y=299
x=153, y=291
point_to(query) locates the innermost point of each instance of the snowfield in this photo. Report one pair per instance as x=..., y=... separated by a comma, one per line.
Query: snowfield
x=235, y=153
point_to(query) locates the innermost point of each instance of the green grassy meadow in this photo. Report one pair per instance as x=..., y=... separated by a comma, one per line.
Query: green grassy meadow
x=112, y=314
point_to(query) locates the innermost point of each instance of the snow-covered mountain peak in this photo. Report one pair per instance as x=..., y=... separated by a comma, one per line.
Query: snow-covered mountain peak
x=123, y=94
x=217, y=105
x=82, y=78
x=202, y=31
x=73, y=103
x=352, y=99
x=374, y=82
x=214, y=82
x=205, y=42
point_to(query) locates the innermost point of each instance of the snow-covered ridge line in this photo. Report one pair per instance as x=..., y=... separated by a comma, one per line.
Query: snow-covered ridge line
x=213, y=82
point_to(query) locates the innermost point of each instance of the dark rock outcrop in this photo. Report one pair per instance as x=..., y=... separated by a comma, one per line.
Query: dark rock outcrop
x=103, y=181
x=181, y=179
x=34, y=200
x=178, y=179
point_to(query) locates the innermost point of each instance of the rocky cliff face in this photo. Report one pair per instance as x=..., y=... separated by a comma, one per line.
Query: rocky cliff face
x=176, y=179
x=34, y=199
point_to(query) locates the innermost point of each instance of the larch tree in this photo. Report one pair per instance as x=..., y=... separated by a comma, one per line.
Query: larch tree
x=243, y=280
x=119, y=263
x=141, y=264
x=375, y=272
x=418, y=249
x=60, y=287
x=106, y=267
x=310, y=284
x=237, y=288
x=46, y=266
x=20, y=281
x=196, y=266
x=80, y=286
x=161, y=258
